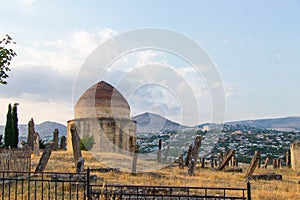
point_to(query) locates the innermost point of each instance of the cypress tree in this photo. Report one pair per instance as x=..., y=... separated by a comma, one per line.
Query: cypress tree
x=8, y=128
x=15, y=132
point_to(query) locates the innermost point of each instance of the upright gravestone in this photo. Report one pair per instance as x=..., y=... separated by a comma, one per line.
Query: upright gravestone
x=188, y=156
x=36, y=145
x=135, y=157
x=191, y=167
x=159, y=151
x=181, y=161
x=31, y=132
x=55, y=139
x=195, y=155
x=80, y=165
x=44, y=159
x=220, y=158
x=63, y=142
x=75, y=143
x=288, y=159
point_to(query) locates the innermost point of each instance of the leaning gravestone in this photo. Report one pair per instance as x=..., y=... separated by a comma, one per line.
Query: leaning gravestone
x=44, y=159
x=253, y=165
x=76, y=144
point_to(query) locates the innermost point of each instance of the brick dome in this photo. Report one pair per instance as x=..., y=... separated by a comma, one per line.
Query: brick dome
x=102, y=100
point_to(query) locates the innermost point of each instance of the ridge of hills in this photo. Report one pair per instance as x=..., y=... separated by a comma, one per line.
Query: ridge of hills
x=149, y=122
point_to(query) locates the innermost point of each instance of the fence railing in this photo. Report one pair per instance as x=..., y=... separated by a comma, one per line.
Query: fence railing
x=51, y=185
x=164, y=192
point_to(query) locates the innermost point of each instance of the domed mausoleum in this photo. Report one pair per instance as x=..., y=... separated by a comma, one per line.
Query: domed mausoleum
x=103, y=112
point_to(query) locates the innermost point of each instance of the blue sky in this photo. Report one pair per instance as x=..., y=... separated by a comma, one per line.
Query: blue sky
x=255, y=46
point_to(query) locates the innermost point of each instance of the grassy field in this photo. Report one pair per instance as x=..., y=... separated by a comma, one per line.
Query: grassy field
x=288, y=188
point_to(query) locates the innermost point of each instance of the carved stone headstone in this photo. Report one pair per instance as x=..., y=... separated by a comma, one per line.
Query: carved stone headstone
x=159, y=151
x=288, y=159
x=36, y=145
x=191, y=167
x=63, y=142
x=80, y=165
x=55, y=139
x=181, y=162
x=31, y=132
x=202, y=162
x=266, y=163
x=196, y=148
x=44, y=158
x=253, y=165
x=135, y=157
x=220, y=158
x=167, y=153
x=76, y=144
x=188, y=156
x=227, y=159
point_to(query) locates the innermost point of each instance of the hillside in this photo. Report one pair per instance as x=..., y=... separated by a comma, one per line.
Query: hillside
x=282, y=124
x=148, y=122
x=44, y=129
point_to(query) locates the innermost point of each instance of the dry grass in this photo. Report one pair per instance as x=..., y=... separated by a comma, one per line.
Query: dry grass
x=288, y=188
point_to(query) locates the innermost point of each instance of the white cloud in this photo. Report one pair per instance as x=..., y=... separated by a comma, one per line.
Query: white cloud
x=28, y=2
x=280, y=56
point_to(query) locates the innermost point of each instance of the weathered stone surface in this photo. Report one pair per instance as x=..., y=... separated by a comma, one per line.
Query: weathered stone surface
x=55, y=139
x=159, y=151
x=36, y=145
x=188, y=156
x=191, y=167
x=102, y=112
x=76, y=144
x=226, y=160
x=266, y=163
x=181, y=162
x=194, y=155
x=253, y=165
x=295, y=155
x=135, y=157
x=63, y=143
x=288, y=159
x=44, y=159
x=80, y=165
x=233, y=170
x=267, y=177
x=31, y=132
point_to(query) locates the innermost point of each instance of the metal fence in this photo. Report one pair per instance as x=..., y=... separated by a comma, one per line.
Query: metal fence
x=165, y=192
x=46, y=185
x=50, y=185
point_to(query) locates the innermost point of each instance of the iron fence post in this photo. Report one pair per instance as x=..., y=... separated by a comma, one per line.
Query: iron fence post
x=248, y=190
x=88, y=183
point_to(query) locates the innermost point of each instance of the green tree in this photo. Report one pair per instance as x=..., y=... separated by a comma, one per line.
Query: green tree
x=15, y=132
x=8, y=132
x=42, y=143
x=6, y=55
x=87, y=143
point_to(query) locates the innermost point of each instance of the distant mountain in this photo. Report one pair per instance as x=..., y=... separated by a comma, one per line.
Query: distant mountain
x=282, y=124
x=44, y=129
x=148, y=122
